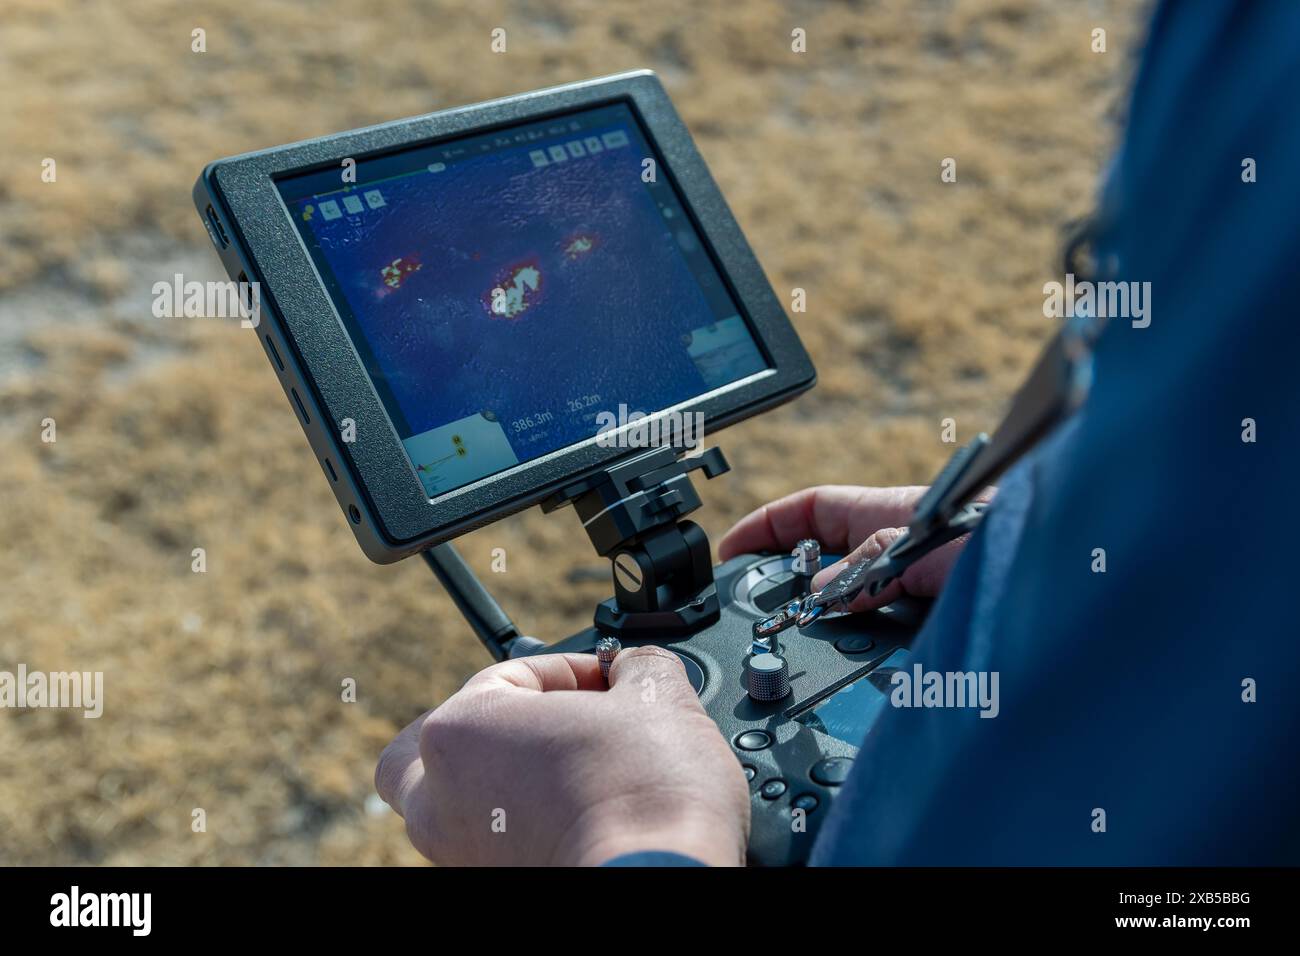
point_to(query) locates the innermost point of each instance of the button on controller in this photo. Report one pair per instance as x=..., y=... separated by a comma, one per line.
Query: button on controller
x=807, y=802
x=832, y=771
x=854, y=644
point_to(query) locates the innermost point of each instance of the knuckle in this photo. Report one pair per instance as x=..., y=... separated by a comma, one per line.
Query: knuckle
x=439, y=729
x=384, y=773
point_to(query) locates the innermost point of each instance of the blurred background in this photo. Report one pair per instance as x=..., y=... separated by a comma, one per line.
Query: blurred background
x=223, y=689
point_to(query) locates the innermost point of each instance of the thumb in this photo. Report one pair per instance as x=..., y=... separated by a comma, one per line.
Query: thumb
x=925, y=578
x=870, y=548
x=652, y=672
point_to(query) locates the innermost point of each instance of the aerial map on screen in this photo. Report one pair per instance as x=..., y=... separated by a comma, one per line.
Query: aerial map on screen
x=505, y=289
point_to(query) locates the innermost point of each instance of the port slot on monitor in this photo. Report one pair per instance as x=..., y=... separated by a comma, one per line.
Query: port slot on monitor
x=218, y=230
x=275, y=354
x=302, y=409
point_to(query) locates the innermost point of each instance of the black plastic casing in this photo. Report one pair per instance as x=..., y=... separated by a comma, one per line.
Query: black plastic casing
x=819, y=664
x=376, y=486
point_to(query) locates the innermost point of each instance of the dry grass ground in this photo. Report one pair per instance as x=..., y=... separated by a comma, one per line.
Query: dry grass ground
x=223, y=688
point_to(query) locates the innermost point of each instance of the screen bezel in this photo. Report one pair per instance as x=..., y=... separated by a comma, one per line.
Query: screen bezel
x=294, y=296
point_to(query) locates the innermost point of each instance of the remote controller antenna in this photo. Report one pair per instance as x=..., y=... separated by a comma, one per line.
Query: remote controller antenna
x=491, y=624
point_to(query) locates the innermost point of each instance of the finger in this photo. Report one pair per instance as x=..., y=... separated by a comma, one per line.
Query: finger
x=872, y=547
x=399, y=771
x=836, y=515
x=925, y=578
x=542, y=672
x=650, y=669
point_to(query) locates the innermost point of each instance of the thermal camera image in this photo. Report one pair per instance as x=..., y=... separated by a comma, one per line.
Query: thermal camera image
x=518, y=291
x=395, y=273
x=579, y=246
x=518, y=274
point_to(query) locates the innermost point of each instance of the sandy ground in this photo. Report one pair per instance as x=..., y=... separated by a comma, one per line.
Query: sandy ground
x=223, y=688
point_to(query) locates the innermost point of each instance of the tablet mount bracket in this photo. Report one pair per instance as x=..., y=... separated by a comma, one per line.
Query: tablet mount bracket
x=633, y=513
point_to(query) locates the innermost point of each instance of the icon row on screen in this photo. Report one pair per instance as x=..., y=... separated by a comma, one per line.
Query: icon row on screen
x=353, y=205
x=577, y=148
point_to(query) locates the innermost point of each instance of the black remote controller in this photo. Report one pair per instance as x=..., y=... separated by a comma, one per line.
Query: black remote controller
x=796, y=751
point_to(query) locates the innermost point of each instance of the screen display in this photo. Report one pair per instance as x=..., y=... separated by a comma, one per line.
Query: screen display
x=850, y=712
x=514, y=292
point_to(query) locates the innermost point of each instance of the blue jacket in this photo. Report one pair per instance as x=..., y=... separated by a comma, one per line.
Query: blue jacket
x=1122, y=691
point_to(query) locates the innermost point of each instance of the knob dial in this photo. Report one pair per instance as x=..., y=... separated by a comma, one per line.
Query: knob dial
x=769, y=677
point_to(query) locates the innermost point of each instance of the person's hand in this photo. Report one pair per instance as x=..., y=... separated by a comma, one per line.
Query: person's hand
x=844, y=517
x=534, y=762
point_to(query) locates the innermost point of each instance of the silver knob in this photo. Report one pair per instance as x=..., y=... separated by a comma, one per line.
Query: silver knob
x=607, y=649
x=808, y=557
x=769, y=677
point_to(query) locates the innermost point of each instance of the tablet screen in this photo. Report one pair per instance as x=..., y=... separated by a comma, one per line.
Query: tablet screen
x=515, y=292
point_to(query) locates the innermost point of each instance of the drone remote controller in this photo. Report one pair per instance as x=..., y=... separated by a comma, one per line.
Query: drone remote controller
x=796, y=750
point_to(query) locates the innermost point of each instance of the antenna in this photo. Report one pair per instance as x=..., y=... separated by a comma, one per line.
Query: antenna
x=490, y=623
